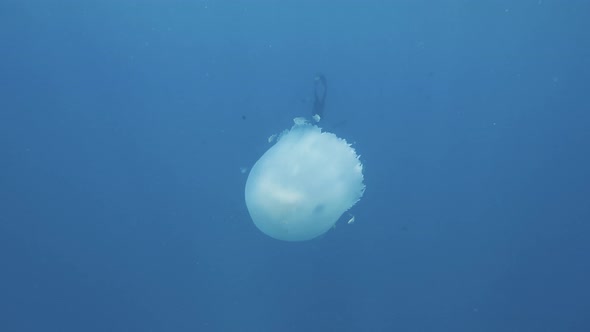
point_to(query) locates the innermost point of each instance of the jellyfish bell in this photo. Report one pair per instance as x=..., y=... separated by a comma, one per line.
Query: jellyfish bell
x=301, y=186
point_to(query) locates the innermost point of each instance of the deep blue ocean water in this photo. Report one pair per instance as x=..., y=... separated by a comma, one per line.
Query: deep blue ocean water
x=124, y=126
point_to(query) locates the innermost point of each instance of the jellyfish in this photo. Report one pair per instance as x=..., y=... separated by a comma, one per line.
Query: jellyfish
x=301, y=186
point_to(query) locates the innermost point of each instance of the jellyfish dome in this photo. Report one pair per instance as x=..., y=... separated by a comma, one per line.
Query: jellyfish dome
x=302, y=185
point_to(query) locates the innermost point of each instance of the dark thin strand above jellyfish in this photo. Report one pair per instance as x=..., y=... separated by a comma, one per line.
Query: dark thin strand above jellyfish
x=320, y=91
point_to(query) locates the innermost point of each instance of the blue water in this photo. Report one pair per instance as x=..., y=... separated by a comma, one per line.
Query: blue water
x=124, y=125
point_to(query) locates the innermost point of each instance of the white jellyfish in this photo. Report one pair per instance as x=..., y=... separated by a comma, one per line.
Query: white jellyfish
x=302, y=185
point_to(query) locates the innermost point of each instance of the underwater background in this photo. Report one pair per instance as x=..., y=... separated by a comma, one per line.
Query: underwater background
x=127, y=128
